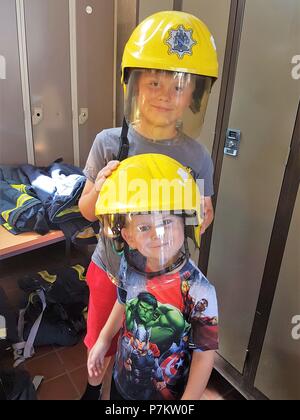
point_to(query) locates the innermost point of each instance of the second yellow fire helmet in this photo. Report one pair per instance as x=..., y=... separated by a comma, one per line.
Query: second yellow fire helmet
x=150, y=183
x=174, y=41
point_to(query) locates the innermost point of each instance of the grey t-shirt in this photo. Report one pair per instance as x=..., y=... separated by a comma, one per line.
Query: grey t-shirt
x=184, y=149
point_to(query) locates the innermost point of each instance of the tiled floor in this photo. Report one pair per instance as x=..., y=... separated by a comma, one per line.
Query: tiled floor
x=64, y=369
x=64, y=372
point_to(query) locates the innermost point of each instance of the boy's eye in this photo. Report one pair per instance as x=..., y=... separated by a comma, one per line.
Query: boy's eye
x=154, y=84
x=143, y=228
x=167, y=222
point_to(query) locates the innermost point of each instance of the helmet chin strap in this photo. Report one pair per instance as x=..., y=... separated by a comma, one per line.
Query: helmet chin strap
x=124, y=143
x=183, y=258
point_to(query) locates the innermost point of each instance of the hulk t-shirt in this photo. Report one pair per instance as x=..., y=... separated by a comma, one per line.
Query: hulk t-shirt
x=167, y=318
x=184, y=149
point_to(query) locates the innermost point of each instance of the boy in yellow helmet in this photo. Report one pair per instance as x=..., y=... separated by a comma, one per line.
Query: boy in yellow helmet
x=167, y=342
x=169, y=66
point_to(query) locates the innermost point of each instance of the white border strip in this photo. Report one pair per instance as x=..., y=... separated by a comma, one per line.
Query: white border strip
x=74, y=90
x=25, y=80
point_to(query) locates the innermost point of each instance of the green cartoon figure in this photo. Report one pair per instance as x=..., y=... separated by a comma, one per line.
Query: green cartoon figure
x=166, y=322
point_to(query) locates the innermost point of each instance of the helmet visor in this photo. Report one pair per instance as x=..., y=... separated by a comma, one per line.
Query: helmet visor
x=150, y=244
x=160, y=103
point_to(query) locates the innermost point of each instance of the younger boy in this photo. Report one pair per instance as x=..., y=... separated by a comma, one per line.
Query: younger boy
x=166, y=308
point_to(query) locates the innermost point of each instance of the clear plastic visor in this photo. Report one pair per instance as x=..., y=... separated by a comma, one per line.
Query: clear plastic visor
x=159, y=104
x=149, y=245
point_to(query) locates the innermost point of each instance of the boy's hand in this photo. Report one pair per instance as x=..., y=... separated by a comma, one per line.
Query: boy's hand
x=96, y=357
x=208, y=214
x=105, y=173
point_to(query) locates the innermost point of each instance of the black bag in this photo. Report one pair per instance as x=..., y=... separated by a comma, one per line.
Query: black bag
x=16, y=384
x=53, y=312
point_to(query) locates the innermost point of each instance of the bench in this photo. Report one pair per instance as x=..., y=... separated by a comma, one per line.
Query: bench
x=11, y=245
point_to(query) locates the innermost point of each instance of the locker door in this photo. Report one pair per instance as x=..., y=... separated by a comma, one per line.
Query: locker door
x=48, y=46
x=278, y=374
x=264, y=109
x=215, y=15
x=12, y=128
x=126, y=18
x=147, y=8
x=95, y=66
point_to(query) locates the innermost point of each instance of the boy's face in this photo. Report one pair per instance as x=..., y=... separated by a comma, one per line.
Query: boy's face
x=158, y=237
x=163, y=97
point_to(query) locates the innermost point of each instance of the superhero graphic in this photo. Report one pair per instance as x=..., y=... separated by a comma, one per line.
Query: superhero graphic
x=139, y=363
x=159, y=367
x=188, y=300
x=166, y=322
x=174, y=366
x=165, y=319
x=204, y=328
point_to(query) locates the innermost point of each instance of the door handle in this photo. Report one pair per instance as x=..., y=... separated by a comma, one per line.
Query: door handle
x=232, y=144
x=83, y=115
x=37, y=115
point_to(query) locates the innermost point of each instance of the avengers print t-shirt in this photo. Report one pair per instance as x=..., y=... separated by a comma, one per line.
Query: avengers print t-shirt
x=166, y=319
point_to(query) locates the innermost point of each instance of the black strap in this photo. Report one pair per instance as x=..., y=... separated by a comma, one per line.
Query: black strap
x=124, y=143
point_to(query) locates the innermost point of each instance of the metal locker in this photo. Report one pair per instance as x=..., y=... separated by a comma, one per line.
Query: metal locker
x=126, y=20
x=48, y=48
x=12, y=128
x=215, y=15
x=278, y=373
x=95, y=70
x=264, y=108
x=147, y=8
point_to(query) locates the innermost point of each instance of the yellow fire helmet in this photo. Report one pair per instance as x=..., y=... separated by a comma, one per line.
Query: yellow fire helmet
x=168, y=69
x=174, y=41
x=149, y=183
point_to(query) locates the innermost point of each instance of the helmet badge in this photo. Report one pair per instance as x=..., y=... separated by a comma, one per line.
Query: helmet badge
x=180, y=41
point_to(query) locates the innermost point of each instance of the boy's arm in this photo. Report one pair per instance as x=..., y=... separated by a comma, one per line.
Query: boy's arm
x=88, y=200
x=114, y=322
x=200, y=371
x=97, y=353
x=208, y=214
x=91, y=191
